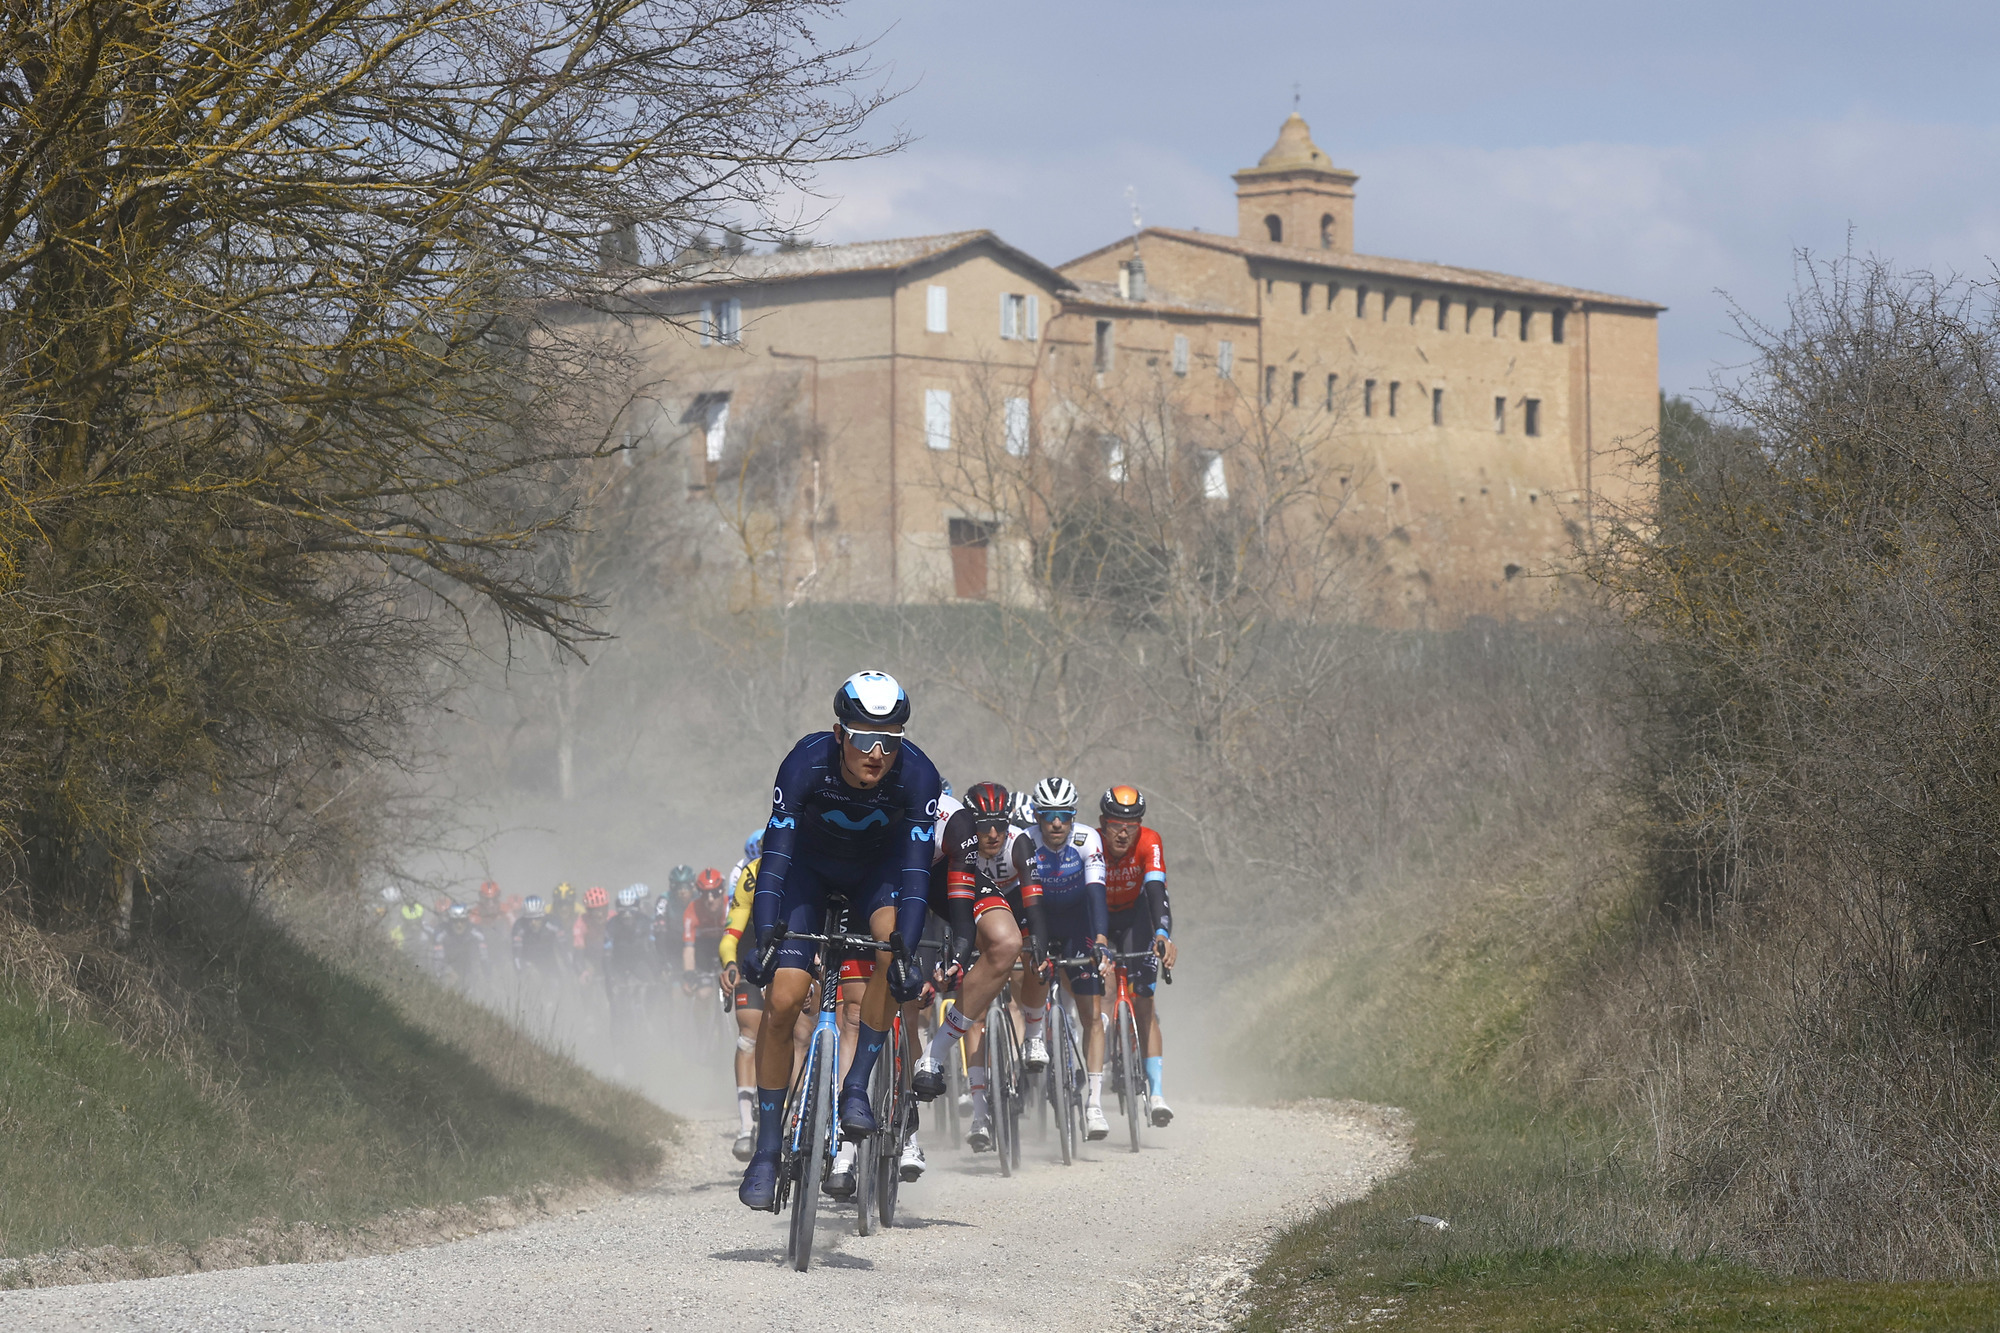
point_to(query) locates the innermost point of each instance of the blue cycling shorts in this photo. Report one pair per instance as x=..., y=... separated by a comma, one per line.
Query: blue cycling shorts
x=1069, y=934
x=866, y=886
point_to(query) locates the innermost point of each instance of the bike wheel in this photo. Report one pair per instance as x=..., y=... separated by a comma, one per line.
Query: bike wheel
x=817, y=1119
x=954, y=1088
x=1017, y=1085
x=1061, y=1076
x=1131, y=1072
x=893, y=1105
x=999, y=1071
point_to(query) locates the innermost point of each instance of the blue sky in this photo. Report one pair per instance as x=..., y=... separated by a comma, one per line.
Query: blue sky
x=1677, y=152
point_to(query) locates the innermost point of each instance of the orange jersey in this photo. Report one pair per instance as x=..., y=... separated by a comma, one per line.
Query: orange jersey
x=705, y=914
x=1125, y=880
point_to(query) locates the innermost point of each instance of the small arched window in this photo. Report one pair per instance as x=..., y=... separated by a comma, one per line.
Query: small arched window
x=1274, y=226
x=1326, y=231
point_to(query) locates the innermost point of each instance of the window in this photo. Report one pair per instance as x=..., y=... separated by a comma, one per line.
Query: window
x=1361, y=303
x=1101, y=353
x=1305, y=298
x=721, y=322
x=969, y=540
x=1298, y=385
x=1326, y=231
x=1527, y=322
x=937, y=418
x=1274, y=227
x=1557, y=319
x=1444, y=314
x=1015, y=414
x=1531, y=417
x=1214, y=478
x=1270, y=384
x=1437, y=407
x=1225, y=358
x=715, y=426
x=1114, y=458
x=1395, y=388
x=934, y=309
x=1368, y=398
x=1500, y=415
x=1020, y=317
x=1180, y=354
x=1332, y=383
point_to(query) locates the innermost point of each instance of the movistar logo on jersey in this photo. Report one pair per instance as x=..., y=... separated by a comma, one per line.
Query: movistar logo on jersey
x=870, y=820
x=786, y=822
x=920, y=833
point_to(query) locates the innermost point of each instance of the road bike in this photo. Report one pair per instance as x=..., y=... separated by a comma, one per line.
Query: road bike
x=812, y=1129
x=1125, y=1063
x=1006, y=1083
x=1066, y=1077
x=895, y=1103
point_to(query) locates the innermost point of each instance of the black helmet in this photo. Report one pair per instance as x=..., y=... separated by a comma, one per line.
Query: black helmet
x=1122, y=802
x=988, y=803
x=871, y=699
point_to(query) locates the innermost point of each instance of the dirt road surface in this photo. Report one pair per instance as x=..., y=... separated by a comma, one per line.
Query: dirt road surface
x=1159, y=1240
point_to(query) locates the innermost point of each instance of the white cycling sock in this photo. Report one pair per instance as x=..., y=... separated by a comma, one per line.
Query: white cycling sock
x=746, y=1108
x=1096, y=1090
x=844, y=1159
x=975, y=1079
x=1034, y=1022
x=954, y=1026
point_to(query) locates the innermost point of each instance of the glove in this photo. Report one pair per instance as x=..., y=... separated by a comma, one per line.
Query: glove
x=756, y=967
x=728, y=977
x=906, y=980
x=961, y=956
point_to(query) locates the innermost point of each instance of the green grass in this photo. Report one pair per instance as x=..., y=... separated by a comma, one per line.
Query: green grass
x=1421, y=1003
x=326, y=1098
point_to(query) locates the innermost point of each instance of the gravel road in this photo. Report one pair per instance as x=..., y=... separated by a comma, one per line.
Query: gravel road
x=1159, y=1240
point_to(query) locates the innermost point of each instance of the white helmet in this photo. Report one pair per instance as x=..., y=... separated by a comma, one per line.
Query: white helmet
x=630, y=895
x=1055, y=794
x=1020, y=808
x=392, y=895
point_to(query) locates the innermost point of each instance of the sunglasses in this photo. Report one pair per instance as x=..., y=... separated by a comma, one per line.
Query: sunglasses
x=1047, y=815
x=867, y=742
x=988, y=823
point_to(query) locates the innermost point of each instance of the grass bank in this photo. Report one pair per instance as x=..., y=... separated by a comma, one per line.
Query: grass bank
x=228, y=1074
x=1442, y=994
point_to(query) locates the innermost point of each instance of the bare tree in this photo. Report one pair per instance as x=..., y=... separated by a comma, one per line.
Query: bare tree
x=276, y=370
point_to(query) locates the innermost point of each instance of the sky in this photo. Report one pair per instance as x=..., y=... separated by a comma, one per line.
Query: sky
x=1685, y=153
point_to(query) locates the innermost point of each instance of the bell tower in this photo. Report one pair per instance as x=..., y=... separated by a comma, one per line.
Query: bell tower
x=1295, y=195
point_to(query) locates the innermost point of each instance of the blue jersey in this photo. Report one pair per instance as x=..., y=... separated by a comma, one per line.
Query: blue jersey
x=1073, y=878
x=817, y=816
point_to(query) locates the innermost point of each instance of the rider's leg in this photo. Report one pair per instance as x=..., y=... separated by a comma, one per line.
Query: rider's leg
x=849, y=1013
x=1147, y=1015
x=999, y=946
x=748, y=1021
x=1033, y=994
x=783, y=1001
x=877, y=1008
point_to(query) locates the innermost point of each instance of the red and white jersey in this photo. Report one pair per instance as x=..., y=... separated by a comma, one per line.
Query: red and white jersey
x=1125, y=879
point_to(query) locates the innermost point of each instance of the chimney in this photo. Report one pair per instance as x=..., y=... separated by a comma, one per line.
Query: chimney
x=1135, y=278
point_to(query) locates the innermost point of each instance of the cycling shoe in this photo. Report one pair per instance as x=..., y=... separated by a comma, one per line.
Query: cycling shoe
x=927, y=1079
x=760, y=1181
x=857, y=1117
x=980, y=1137
x=746, y=1143
x=1034, y=1055
x=1159, y=1112
x=1095, y=1126
x=839, y=1182
x=912, y=1166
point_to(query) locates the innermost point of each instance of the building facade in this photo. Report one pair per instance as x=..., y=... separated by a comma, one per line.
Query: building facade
x=1479, y=425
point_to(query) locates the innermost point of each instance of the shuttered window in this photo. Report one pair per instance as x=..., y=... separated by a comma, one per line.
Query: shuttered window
x=934, y=309
x=1180, y=354
x=937, y=415
x=1016, y=413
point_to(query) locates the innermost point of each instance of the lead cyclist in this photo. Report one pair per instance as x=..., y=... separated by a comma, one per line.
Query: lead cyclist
x=853, y=816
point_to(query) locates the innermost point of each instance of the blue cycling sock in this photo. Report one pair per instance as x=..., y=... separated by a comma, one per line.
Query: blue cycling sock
x=868, y=1043
x=1154, y=1078
x=770, y=1118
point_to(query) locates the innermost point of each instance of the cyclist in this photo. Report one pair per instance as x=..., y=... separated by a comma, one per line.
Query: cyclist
x=460, y=948
x=587, y=935
x=680, y=890
x=489, y=914
x=624, y=949
x=853, y=815
x=411, y=933
x=535, y=940
x=703, y=925
x=745, y=1001
x=1141, y=921
x=993, y=880
x=1071, y=861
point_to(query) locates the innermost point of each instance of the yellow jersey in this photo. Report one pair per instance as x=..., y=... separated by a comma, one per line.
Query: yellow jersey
x=739, y=911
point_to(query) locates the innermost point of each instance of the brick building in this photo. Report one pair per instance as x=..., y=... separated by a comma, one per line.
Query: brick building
x=1477, y=420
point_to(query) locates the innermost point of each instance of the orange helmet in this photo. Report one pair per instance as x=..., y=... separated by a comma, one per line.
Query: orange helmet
x=489, y=890
x=1122, y=802
x=710, y=881
x=595, y=896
